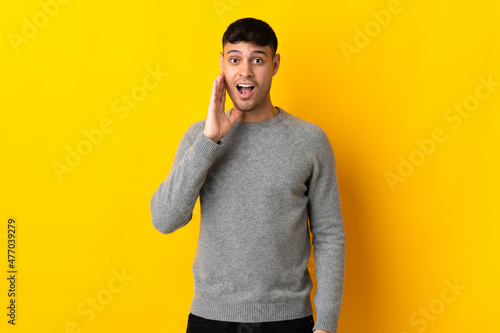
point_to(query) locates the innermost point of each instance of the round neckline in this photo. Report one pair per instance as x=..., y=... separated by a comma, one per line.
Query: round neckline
x=264, y=123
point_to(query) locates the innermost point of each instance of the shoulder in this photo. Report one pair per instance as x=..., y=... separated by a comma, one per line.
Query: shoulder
x=196, y=126
x=309, y=133
x=312, y=141
x=194, y=130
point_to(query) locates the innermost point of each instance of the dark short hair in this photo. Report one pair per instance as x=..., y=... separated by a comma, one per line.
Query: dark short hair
x=251, y=30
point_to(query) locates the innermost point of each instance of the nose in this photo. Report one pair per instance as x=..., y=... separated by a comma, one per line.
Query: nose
x=246, y=69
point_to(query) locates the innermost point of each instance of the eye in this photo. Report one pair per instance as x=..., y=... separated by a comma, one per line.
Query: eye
x=258, y=60
x=233, y=60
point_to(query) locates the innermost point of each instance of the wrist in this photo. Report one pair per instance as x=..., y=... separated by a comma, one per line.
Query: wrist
x=215, y=139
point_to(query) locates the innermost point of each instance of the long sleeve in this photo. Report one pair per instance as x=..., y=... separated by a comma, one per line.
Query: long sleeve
x=328, y=237
x=173, y=202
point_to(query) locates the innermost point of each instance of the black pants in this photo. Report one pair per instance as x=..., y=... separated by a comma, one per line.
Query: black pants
x=201, y=325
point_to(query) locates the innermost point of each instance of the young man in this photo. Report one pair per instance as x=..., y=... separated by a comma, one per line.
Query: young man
x=260, y=173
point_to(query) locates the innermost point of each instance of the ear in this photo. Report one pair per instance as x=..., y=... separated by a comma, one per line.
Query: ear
x=221, y=61
x=276, y=63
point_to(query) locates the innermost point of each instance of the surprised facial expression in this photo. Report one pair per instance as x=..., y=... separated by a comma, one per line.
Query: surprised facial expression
x=248, y=69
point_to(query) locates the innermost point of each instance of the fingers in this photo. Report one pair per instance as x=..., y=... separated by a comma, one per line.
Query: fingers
x=218, y=96
x=223, y=90
x=221, y=87
x=217, y=87
x=213, y=96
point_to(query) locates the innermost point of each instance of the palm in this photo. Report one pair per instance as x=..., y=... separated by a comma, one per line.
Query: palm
x=217, y=125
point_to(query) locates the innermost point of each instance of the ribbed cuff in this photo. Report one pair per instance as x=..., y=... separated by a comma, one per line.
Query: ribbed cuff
x=205, y=147
x=326, y=322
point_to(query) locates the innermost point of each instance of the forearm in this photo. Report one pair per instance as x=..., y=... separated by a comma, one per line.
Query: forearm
x=172, y=203
x=329, y=253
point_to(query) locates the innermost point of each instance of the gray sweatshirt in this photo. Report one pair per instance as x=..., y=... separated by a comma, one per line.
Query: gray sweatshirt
x=257, y=189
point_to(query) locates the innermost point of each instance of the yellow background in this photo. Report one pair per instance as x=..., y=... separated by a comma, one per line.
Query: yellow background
x=75, y=232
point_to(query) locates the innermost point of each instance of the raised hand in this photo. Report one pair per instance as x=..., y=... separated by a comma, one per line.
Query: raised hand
x=217, y=125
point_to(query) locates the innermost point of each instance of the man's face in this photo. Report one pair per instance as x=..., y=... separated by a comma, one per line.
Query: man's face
x=249, y=69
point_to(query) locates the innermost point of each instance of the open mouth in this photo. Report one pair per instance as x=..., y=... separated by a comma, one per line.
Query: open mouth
x=245, y=90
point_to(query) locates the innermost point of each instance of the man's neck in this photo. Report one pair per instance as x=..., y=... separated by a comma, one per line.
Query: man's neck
x=261, y=113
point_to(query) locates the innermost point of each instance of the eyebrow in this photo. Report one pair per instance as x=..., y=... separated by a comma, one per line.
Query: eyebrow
x=255, y=51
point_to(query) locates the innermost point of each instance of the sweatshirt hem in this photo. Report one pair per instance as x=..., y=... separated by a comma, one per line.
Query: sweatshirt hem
x=250, y=312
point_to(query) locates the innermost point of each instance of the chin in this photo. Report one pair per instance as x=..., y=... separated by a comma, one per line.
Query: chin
x=245, y=107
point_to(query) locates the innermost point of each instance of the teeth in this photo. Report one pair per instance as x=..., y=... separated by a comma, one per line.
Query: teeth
x=245, y=85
